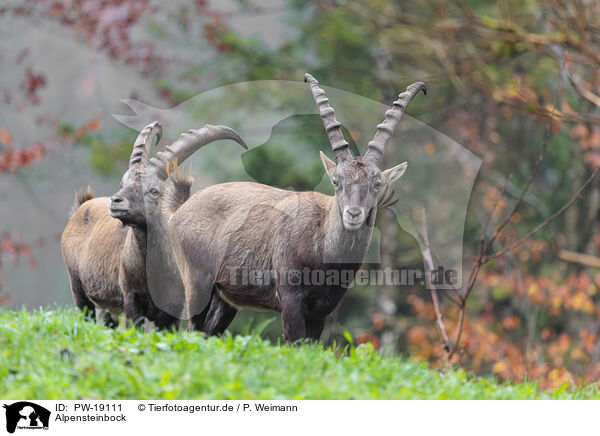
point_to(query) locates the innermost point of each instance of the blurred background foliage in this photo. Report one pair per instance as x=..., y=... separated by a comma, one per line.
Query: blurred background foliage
x=291, y=165
x=499, y=73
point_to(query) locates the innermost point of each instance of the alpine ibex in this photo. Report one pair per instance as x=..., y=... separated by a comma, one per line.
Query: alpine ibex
x=147, y=199
x=96, y=247
x=258, y=228
x=105, y=258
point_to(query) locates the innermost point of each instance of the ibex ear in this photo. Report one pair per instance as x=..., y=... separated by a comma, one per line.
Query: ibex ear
x=394, y=173
x=329, y=165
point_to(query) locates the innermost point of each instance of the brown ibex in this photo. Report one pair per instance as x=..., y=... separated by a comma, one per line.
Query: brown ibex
x=105, y=258
x=257, y=228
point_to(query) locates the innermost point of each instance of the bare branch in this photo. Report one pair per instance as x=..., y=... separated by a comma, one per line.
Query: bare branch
x=508, y=217
x=580, y=258
x=461, y=320
x=546, y=221
x=434, y=295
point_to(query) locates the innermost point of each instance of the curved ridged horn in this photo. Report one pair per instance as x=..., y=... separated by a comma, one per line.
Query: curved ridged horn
x=386, y=129
x=188, y=143
x=332, y=126
x=141, y=147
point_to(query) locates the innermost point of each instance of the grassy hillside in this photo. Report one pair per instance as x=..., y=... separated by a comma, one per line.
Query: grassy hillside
x=53, y=354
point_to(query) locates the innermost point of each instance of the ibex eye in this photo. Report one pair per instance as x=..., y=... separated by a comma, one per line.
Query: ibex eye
x=154, y=191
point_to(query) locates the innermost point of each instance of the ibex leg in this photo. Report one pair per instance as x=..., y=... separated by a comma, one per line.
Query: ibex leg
x=292, y=318
x=80, y=299
x=219, y=316
x=314, y=328
x=136, y=304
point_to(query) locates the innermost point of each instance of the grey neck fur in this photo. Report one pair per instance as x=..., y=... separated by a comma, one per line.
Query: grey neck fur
x=164, y=282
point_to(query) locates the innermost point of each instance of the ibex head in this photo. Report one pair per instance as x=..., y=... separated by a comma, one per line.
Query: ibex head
x=128, y=204
x=359, y=181
x=148, y=182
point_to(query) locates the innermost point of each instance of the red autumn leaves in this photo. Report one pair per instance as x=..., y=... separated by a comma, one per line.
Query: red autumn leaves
x=31, y=84
x=13, y=159
x=525, y=327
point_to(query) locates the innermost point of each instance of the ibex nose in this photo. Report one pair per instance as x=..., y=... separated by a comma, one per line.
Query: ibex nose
x=353, y=211
x=116, y=199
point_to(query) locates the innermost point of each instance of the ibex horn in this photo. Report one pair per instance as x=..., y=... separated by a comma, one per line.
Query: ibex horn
x=336, y=138
x=190, y=142
x=386, y=129
x=141, y=148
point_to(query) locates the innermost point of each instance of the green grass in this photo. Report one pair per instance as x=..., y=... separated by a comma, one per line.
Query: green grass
x=56, y=354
